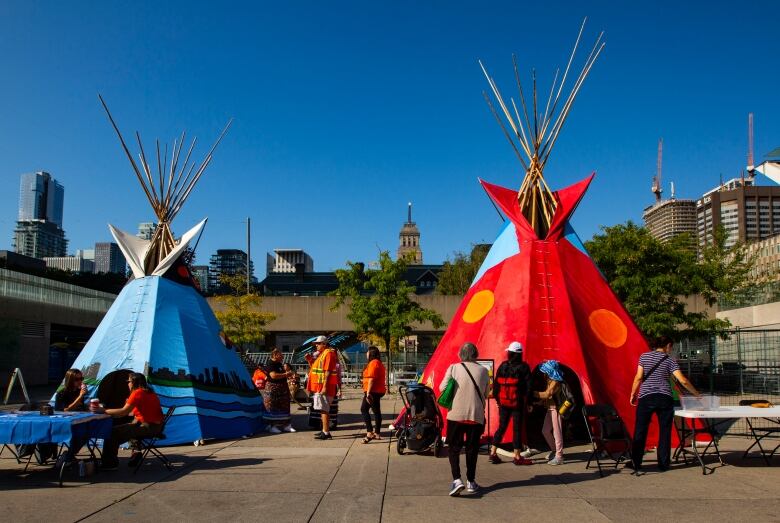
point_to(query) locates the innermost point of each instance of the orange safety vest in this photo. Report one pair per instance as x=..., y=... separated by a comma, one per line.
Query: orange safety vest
x=325, y=362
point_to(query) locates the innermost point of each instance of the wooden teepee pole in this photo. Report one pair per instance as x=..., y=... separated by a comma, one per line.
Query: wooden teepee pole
x=535, y=199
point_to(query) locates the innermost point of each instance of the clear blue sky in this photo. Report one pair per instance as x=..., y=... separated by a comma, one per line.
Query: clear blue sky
x=346, y=111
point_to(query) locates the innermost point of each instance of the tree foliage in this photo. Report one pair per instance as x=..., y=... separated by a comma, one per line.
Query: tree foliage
x=242, y=320
x=380, y=301
x=652, y=278
x=456, y=276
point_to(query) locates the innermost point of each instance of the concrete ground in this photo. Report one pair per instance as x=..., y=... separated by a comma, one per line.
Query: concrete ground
x=292, y=477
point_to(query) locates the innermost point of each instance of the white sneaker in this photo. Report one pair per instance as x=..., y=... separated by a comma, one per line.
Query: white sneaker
x=472, y=487
x=556, y=461
x=527, y=453
x=550, y=455
x=289, y=428
x=457, y=486
x=273, y=429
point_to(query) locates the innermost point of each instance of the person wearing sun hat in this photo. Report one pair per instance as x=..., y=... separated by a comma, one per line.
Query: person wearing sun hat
x=511, y=389
x=323, y=383
x=552, y=429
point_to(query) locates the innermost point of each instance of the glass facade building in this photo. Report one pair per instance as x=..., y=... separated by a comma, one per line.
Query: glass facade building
x=41, y=197
x=38, y=231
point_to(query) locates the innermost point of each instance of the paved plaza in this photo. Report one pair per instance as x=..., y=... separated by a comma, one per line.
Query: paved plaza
x=292, y=477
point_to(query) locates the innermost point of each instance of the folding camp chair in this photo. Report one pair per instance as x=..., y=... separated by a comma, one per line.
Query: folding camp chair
x=608, y=435
x=150, y=444
x=759, y=433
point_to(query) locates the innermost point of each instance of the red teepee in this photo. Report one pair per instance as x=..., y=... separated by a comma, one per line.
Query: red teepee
x=538, y=285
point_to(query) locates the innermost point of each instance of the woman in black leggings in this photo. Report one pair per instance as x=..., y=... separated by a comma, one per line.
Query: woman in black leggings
x=373, y=389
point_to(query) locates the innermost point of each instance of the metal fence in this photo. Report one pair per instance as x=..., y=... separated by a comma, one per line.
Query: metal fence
x=743, y=366
x=405, y=367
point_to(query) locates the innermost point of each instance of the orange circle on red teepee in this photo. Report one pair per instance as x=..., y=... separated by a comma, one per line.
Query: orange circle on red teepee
x=479, y=305
x=608, y=328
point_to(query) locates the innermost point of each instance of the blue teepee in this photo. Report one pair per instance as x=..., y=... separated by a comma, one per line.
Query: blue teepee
x=168, y=332
x=161, y=326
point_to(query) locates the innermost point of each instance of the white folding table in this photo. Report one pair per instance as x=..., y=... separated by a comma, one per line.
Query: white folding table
x=710, y=417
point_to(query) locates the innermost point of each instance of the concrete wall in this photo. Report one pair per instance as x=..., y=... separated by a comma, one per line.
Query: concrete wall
x=765, y=316
x=313, y=314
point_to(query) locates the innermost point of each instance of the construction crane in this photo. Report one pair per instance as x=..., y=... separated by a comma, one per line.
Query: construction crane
x=750, y=165
x=656, y=189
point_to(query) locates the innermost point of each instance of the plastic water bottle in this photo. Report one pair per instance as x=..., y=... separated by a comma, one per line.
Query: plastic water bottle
x=564, y=408
x=82, y=469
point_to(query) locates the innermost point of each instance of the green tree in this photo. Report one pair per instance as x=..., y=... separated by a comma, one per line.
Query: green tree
x=723, y=271
x=380, y=301
x=241, y=319
x=456, y=276
x=652, y=278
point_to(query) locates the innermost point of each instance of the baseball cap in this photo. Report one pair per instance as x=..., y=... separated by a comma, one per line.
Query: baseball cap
x=515, y=346
x=320, y=339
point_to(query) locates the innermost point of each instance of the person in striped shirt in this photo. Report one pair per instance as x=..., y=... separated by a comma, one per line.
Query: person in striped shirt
x=652, y=393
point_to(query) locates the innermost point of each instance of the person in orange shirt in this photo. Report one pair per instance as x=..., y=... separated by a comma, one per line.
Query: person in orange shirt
x=323, y=383
x=147, y=422
x=373, y=389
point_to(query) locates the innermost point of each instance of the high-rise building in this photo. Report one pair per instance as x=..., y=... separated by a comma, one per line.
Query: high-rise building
x=666, y=219
x=228, y=262
x=747, y=212
x=39, y=239
x=40, y=198
x=146, y=230
x=289, y=260
x=109, y=258
x=409, y=241
x=767, y=259
x=201, y=273
x=38, y=231
x=70, y=263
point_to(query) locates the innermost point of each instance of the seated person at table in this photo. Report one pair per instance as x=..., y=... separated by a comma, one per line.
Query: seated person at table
x=69, y=399
x=147, y=422
x=73, y=393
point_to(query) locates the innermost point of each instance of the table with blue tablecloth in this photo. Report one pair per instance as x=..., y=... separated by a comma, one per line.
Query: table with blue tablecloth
x=32, y=427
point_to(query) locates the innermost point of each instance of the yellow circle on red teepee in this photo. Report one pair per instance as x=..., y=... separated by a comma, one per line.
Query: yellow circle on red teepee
x=479, y=305
x=608, y=328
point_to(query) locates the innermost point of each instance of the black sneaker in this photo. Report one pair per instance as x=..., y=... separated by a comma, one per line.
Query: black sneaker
x=109, y=466
x=135, y=459
x=324, y=435
x=318, y=434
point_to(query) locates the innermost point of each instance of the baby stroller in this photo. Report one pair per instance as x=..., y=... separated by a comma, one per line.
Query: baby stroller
x=422, y=422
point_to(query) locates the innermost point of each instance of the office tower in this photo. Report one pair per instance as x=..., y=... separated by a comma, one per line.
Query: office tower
x=38, y=231
x=108, y=258
x=228, y=262
x=666, y=219
x=40, y=198
x=747, y=212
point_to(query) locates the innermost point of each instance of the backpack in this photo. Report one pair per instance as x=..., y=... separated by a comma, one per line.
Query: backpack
x=507, y=392
x=564, y=395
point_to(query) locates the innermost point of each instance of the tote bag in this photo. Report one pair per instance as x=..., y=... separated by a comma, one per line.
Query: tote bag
x=446, y=397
